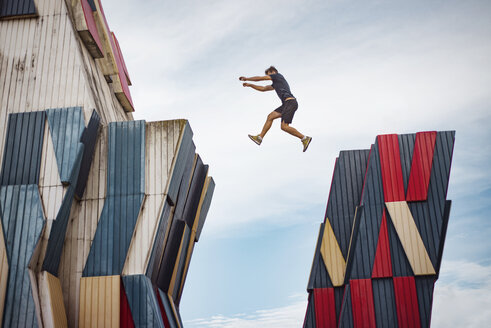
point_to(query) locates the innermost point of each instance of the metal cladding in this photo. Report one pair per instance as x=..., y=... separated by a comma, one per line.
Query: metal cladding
x=384, y=251
x=17, y=8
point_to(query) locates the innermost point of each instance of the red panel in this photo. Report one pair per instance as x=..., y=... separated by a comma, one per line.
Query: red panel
x=325, y=307
x=382, y=266
x=125, y=317
x=390, y=164
x=90, y=21
x=162, y=310
x=362, y=303
x=406, y=302
x=121, y=69
x=419, y=178
x=127, y=75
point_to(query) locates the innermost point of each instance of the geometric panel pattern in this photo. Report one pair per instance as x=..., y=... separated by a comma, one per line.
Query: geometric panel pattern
x=395, y=242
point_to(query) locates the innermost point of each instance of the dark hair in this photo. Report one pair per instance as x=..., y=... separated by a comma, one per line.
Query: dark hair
x=271, y=69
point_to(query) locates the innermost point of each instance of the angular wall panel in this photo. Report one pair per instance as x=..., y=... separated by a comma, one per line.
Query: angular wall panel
x=384, y=303
x=17, y=8
x=332, y=256
x=406, y=302
x=362, y=303
x=169, y=310
x=204, y=205
x=309, y=320
x=100, y=302
x=23, y=221
x=66, y=126
x=382, y=266
x=23, y=147
x=390, y=161
x=325, y=309
x=417, y=189
x=4, y=269
x=51, y=296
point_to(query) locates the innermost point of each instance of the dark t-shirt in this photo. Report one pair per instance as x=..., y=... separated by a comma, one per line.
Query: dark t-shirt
x=281, y=86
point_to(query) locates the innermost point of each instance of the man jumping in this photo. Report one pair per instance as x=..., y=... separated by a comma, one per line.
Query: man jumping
x=287, y=109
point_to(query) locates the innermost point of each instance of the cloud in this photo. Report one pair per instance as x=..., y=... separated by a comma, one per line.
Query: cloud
x=462, y=297
x=289, y=316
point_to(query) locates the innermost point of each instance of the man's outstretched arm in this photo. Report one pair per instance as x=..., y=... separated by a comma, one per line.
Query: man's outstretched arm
x=258, y=87
x=255, y=78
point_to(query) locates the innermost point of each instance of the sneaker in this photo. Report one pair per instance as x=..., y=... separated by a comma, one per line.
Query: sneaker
x=257, y=139
x=306, y=142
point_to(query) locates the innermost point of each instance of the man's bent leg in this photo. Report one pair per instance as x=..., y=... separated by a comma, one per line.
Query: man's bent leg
x=291, y=130
x=269, y=121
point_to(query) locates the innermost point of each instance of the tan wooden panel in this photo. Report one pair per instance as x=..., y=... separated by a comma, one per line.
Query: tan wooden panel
x=51, y=297
x=332, y=256
x=410, y=238
x=172, y=284
x=100, y=301
x=4, y=271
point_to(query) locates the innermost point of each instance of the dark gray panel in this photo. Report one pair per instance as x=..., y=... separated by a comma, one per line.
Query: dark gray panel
x=182, y=194
x=185, y=154
x=23, y=222
x=346, y=315
x=180, y=265
x=57, y=234
x=373, y=192
x=89, y=138
x=159, y=243
x=170, y=254
x=195, y=190
x=205, y=207
x=143, y=301
x=345, y=194
x=424, y=289
x=16, y=8
x=406, y=149
x=384, y=303
x=309, y=320
x=23, y=147
x=66, y=126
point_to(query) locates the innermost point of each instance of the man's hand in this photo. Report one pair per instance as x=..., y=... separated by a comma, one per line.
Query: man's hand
x=246, y=84
x=243, y=78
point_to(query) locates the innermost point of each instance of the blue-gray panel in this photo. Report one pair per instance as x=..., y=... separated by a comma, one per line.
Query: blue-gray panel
x=384, y=303
x=23, y=147
x=353, y=244
x=185, y=154
x=126, y=158
x=319, y=277
x=345, y=194
x=170, y=254
x=400, y=263
x=195, y=190
x=66, y=126
x=89, y=138
x=205, y=207
x=159, y=244
x=113, y=236
x=23, y=221
x=169, y=313
x=15, y=8
x=180, y=266
x=429, y=215
x=143, y=301
x=125, y=192
x=366, y=242
x=446, y=215
x=92, y=5
x=309, y=320
x=406, y=149
x=424, y=289
x=57, y=234
x=346, y=316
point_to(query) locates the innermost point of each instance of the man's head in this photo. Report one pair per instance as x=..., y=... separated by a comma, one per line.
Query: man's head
x=271, y=70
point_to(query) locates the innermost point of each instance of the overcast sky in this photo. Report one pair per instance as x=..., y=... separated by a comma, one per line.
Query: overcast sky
x=358, y=69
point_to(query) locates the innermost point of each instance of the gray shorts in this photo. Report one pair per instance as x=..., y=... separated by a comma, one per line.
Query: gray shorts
x=287, y=110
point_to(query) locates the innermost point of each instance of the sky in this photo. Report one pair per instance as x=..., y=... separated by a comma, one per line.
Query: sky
x=358, y=69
